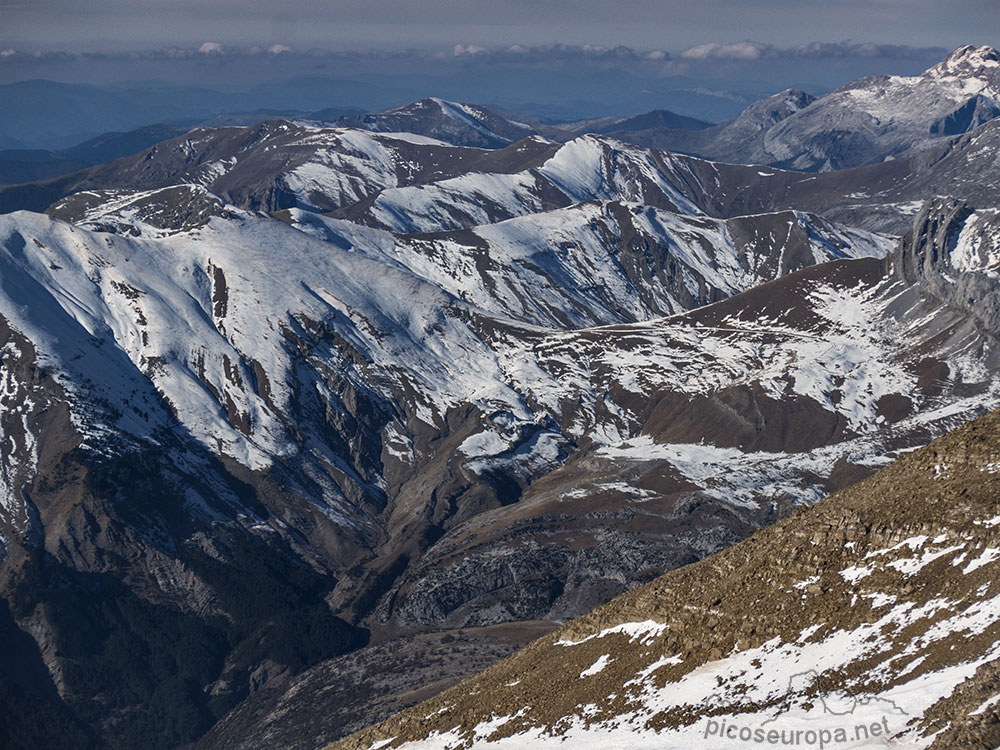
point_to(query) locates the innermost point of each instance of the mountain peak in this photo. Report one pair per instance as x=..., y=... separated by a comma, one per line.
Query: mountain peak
x=968, y=58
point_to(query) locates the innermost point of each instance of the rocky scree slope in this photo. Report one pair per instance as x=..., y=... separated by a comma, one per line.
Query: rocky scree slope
x=878, y=606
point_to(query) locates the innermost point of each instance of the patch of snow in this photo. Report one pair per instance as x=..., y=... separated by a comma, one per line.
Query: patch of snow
x=597, y=666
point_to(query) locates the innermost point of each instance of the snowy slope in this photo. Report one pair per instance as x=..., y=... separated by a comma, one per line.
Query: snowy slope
x=586, y=168
x=977, y=247
x=599, y=263
x=198, y=327
x=279, y=164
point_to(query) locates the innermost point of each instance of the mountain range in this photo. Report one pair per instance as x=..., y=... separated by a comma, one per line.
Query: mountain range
x=287, y=405
x=863, y=122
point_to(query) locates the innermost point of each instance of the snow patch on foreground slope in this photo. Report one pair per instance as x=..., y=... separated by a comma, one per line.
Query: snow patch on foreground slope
x=842, y=627
x=768, y=672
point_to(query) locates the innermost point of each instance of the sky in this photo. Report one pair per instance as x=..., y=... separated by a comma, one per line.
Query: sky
x=119, y=25
x=189, y=61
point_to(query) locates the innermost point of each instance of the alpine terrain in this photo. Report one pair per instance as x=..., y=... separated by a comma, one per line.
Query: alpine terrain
x=303, y=422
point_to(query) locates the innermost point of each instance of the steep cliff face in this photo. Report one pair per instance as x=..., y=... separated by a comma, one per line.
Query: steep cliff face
x=953, y=253
x=876, y=610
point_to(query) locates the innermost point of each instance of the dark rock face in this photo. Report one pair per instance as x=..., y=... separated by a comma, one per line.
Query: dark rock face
x=926, y=250
x=925, y=257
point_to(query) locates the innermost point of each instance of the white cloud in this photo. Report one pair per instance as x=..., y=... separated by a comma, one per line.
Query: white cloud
x=8, y=52
x=734, y=51
x=277, y=49
x=749, y=50
x=211, y=48
x=468, y=49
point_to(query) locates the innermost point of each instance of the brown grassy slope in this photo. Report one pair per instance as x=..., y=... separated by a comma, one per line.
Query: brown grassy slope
x=744, y=596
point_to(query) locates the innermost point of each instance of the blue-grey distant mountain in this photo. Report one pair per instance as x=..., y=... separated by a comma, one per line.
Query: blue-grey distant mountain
x=476, y=125
x=863, y=122
x=31, y=165
x=657, y=118
x=451, y=122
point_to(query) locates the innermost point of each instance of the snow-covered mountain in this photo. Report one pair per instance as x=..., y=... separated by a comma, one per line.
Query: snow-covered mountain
x=771, y=397
x=279, y=164
x=874, y=118
x=730, y=141
x=272, y=391
x=203, y=318
x=352, y=406
x=596, y=263
x=409, y=183
x=479, y=126
x=863, y=122
x=452, y=122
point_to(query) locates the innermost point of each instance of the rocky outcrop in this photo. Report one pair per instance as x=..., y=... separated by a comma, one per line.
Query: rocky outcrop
x=927, y=256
